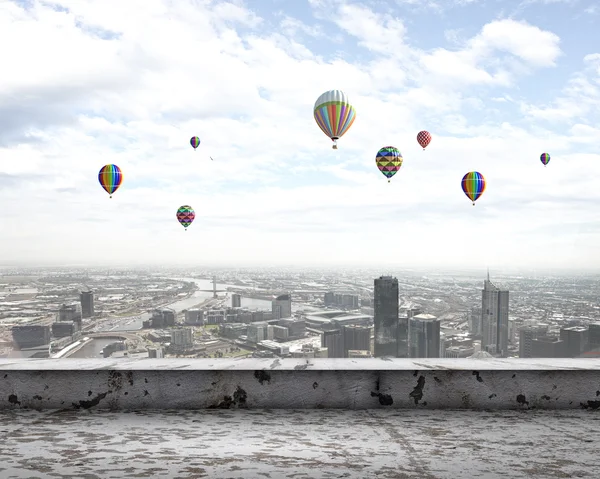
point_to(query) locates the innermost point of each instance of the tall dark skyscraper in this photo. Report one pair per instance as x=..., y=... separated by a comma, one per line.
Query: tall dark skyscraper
x=87, y=304
x=494, y=319
x=386, y=317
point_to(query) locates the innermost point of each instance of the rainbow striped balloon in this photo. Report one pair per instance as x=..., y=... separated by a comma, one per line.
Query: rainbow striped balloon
x=545, y=158
x=473, y=184
x=334, y=114
x=195, y=142
x=110, y=178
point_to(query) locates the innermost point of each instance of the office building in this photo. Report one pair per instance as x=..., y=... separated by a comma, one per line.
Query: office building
x=87, y=304
x=282, y=307
x=345, y=301
x=257, y=332
x=526, y=336
x=182, y=339
x=424, y=336
x=236, y=300
x=30, y=336
x=64, y=329
x=547, y=347
x=333, y=340
x=494, y=319
x=475, y=317
x=356, y=338
x=69, y=312
x=594, y=336
x=575, y=339
x=386, y=317
x=195, y=317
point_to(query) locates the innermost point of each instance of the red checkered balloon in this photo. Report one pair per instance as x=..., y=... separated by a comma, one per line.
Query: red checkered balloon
x=424, y=138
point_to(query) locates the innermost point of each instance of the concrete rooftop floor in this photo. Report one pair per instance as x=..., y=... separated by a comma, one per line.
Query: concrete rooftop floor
x=305, y=444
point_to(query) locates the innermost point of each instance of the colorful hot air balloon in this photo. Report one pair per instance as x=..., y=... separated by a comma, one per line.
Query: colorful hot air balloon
x=424, y=138
x=389, y=161
x=473, y=184
x=110, y=178
x=185, y=215
x=195, y=142
x=545, y=158
x=334, y=114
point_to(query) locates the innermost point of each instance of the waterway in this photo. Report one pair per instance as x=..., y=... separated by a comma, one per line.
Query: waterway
x=94, y=348
x=205, y=287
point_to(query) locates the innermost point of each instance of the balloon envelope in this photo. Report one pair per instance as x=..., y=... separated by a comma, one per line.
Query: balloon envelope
x=195, y=142
x=110, y=178
x=545, y=158
x=334, y=114
x=389, y=161
x=185, y=215
x=424, y=138
x=473, y=184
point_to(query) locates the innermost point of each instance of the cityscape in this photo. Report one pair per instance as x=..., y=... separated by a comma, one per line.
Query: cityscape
x=297, y=313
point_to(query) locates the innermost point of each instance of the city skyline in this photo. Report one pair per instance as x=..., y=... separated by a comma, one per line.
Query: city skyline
x=495, y=86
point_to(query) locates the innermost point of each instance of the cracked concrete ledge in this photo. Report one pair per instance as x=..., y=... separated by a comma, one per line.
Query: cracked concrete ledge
x=124, y=384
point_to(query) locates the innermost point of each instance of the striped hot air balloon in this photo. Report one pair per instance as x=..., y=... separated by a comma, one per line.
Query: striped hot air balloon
x=334, y=114
x=110, y=178
x=545, y=158
x=195, y=142
x=473, y=184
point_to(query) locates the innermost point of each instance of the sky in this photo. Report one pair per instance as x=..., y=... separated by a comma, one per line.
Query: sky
x=86, y=83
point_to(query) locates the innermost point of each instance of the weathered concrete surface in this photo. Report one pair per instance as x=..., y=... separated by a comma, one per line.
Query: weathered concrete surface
x=266, y=383
x=300, y=444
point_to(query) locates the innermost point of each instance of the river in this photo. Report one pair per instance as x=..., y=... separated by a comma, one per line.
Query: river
x=94, y=348
x=203, y=284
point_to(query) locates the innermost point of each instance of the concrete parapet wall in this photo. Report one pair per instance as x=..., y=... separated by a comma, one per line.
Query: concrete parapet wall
x=125, y=384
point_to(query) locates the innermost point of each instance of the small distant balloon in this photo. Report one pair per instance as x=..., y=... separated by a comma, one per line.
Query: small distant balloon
x=195, y=142
x=334, y=114
x=389, y=160
x=185, y=215
x=473, y=184
x=110, y=178
x=545, y=158
x=424, y=138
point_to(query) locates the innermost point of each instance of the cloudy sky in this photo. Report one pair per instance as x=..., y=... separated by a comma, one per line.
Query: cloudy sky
x=90, y=82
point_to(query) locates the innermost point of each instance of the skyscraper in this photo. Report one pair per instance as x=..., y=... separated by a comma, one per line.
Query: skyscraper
x=424, y=330
x=236, y=300
x=494, y=318
x=282, y=307
x=87, y=304
x=386, y=316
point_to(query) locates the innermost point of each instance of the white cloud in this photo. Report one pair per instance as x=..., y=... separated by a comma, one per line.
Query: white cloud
x=580, y=97
x=130, y=82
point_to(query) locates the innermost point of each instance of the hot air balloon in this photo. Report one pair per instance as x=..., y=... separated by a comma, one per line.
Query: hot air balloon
x=185, y=215
x=334, y=114
x=545, y=158
x=424, y=138
x=389, y=161
x=195, y=142
x=110, y=178
x=473, y=184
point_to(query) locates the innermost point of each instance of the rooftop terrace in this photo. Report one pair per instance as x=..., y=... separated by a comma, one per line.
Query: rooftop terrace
x=277, y=444
x=317, y=418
